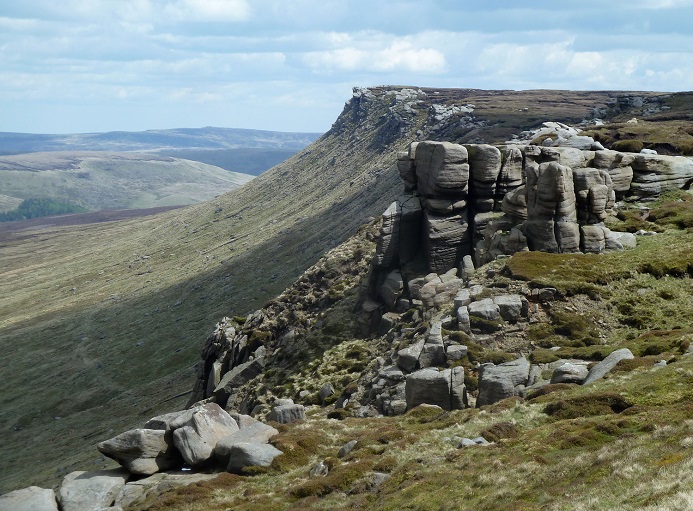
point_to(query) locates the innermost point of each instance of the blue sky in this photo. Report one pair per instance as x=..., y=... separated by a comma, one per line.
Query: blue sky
x=101, y=65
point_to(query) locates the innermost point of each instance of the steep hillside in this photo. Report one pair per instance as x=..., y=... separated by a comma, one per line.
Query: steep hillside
x=103, y=323
x=100, y=181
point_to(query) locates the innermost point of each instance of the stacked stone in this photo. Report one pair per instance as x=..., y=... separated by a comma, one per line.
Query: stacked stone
x=442, y=171
x=551, y=224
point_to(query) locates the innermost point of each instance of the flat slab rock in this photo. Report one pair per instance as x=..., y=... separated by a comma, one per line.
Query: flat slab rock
x=32, y=498
x=91, y=491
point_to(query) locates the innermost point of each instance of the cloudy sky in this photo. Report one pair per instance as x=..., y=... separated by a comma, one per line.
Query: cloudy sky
x=99, y=65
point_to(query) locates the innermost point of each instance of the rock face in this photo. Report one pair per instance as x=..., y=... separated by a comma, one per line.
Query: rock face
x=86, y=491
x=32, y=498
x=196, y=437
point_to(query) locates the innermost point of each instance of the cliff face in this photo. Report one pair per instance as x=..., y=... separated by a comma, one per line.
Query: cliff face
x=142, y=294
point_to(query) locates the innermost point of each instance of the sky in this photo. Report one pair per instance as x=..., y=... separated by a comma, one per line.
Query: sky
x=78, y=66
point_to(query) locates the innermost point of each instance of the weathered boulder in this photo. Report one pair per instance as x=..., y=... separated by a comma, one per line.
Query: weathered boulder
x=142, y=451
x=485, y=309
x=433, y=352
x=618, y=165
x=32, y=498
x=256, y=433
x=89, y=491
x=442, y=388
x=197, y=437
x=551, y=224
x=408, y=358
x=463, y=320
x=441, y=169
x=511, y=307
x=511, y=174
x=236, y=377
x=392, y=287
x=654, y=174
x=438, y=293
x=244, y=455
x=484, y=168
x=446, y=240
x=164, y=421
x=600, y=369
x=620, y=240
x=569, y=373
x=497, y=382
x=593, y=238
x=284, y=414
x=515, y=204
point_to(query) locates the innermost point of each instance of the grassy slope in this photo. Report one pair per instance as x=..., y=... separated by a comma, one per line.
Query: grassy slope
x=102, y=323
x=567, y=448
x=114, y=181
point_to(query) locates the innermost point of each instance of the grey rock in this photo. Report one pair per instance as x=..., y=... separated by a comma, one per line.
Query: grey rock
x=497, y=382
x=441, y=169
x=396, y=407
x=392, y=287
x=325, y=391
x=442, y=388
x=462, y=298
x=593, y=238
x=464, y=442
x=620, y=240
x=236, y=377
x=446, y=240
x=654, y=174
x=166, y=420
x=512, y=307
x=347, y=448
x=196, y=439
x=32, y=498
x=600, y=369
x=257, y=433
x=244, y=455
x=285, y=414
x=456, y=352
x=408, y=358
x=137, y=491
x=569, y=373
x=319, y=470
x=485, y=309
x=463, y=322
x=143, y=451
x=87, y=491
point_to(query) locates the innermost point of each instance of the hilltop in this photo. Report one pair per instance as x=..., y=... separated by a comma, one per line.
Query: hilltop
x=128, y=304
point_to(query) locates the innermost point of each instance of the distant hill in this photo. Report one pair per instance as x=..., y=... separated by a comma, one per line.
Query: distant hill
x=101, y=180
x=155, y=140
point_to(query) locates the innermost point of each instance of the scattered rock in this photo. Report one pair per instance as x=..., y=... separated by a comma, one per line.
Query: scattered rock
x=347, y=448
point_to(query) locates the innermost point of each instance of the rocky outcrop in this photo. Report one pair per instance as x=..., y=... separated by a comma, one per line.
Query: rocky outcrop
x=143, y=451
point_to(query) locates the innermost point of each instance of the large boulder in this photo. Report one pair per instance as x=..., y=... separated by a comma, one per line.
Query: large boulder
x=255, y=433
x=569, y=372
x=654, y=174
x=32, y=498
x=442, y=388
x=142, y=451
x=197, y=437
x=600, y=369
x=242, y=455
x=441, y=169
x=618, y=165
x=551, y=224
x=91, y=491
x=497, y=382
x=512, y=307
x=286, y=413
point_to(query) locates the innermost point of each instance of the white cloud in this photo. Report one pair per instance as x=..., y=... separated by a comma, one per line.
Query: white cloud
x=208, y=10
x=399, y=56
